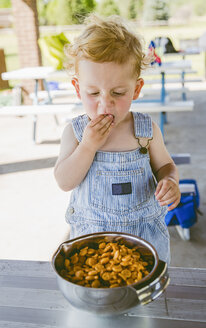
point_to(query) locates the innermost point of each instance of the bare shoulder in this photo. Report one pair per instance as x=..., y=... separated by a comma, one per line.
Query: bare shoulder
x=68, y=143
x=156, y=131
x=159, y=155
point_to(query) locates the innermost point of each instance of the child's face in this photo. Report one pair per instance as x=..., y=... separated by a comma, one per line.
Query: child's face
x=106, y=88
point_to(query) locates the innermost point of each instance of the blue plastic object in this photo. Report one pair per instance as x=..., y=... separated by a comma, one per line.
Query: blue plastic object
x=52, y=85
x=185, y=214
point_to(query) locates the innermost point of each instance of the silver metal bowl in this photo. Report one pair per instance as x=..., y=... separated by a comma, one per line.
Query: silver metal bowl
x=109, y=301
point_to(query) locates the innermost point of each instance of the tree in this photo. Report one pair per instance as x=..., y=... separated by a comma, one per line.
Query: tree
x=41, y=8
x=135, y=8
x=123, y=8
x=132, y=10
x=56, y=12
x=108, y=7
x=5, y=3
x=90, y=5
x=161, y=10
x=80, y=9
x=156, y=10
x=63, y=12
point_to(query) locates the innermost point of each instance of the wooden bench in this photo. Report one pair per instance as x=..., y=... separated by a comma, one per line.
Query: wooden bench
x=74, y=109
x=181, y=71
x=146, y=91
x=53, y=94
x=172, y=80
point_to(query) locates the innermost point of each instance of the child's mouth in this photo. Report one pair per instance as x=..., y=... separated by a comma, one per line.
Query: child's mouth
x=112, y=116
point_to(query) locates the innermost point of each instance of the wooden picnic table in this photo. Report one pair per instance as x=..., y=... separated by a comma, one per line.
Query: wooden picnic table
x=46, y=73
x=30, y=298
x=154, y=105
x=75, y=109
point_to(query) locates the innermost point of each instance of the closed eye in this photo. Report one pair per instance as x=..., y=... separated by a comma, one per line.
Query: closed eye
x=118, y=93
x=94, y=94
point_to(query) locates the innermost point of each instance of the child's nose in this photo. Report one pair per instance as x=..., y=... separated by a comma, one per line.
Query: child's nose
x=106, y=104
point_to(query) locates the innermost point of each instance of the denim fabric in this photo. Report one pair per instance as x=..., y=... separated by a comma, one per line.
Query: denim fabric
x=117, y=193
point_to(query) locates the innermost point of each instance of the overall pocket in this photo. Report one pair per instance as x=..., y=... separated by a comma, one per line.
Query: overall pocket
x=119, y=192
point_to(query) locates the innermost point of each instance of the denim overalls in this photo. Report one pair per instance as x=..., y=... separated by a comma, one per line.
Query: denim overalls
x=117, y=193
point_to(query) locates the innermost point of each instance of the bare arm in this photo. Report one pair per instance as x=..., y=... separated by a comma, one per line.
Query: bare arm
x=165, y=171
x=76, y=158
x=73, y=162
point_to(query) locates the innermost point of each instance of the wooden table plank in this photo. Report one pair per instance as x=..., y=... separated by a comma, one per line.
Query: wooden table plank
x=192, y=310
x=29, y=297
x=186, y=292
x=32, y=298
x=29, y=282
x=77, y=319
x=28, y=268
x=178, y=276
x=188, y=276
x=10, y=324
x=54, y=300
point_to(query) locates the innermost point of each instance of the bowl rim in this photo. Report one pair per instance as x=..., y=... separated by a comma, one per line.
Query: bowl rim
x=96, y=234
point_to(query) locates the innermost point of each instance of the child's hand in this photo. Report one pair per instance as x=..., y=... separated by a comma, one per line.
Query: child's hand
x=97, y=132
x=168, y=192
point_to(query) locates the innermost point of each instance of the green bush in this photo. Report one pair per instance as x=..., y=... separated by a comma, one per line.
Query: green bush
x=64, y=12
x=156, y=10
x=108, y=7
x=5, y=3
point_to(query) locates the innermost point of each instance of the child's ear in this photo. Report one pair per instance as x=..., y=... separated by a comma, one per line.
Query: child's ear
x=139, y=85
x=75, y=83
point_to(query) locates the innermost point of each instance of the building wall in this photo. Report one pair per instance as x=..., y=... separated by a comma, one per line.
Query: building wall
x=27, y=31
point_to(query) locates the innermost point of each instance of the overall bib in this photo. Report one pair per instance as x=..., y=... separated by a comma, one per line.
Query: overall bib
x=117, y=193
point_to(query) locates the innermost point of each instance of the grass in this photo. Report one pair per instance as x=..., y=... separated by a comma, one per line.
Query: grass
x=8, y=42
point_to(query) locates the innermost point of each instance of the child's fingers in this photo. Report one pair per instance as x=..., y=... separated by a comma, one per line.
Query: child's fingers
x=173, y=205
x=159, y=186
x=168, y=200
x=162, y=191
x=103, y=122
x=107, y=127
x=97, y=120
x=103, y=126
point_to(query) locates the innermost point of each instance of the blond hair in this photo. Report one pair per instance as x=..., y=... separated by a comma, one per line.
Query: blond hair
x=107, y=40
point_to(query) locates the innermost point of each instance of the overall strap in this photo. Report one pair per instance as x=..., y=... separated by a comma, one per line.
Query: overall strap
x=78, y=124
x=142, y=125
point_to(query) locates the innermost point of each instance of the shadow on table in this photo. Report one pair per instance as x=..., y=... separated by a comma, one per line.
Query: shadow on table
x=35, y=164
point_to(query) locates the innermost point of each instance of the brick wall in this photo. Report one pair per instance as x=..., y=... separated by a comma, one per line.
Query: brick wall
x=27, y=31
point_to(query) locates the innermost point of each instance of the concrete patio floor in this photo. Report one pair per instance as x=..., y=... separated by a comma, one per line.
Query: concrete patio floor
x=32, y=207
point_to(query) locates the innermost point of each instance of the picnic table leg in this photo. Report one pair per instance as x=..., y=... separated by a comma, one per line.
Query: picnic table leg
x=49, y=98
x=34, y=128
x=35, y=102
x=163, y=91
x=163, y=118
x=184, y=97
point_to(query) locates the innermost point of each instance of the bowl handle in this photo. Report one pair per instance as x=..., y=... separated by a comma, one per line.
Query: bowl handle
x=155, y=286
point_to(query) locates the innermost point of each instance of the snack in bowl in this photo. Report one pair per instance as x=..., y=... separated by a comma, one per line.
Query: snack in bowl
x=105, y=264
x=108, y=273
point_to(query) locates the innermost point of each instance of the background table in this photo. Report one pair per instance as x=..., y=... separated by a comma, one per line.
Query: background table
x=45, y=73
x=30, y=298
x=180, y=67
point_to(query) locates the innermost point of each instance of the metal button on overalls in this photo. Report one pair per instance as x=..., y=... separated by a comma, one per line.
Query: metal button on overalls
x=71, y=210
